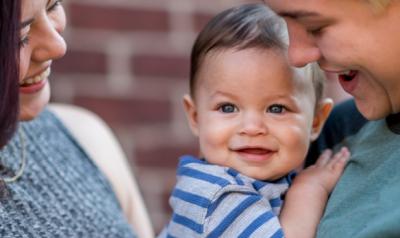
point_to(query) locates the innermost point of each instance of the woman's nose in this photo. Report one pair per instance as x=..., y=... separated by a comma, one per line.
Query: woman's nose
x=302, y=47
x=50, y=44
x=253, y=124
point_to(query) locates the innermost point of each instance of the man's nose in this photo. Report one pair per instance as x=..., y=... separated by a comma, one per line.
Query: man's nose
x=302, y=47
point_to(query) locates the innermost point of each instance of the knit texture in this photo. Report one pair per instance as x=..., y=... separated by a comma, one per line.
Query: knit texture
x=61, y=192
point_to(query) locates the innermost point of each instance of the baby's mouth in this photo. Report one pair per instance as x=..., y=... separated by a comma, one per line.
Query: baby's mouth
x=255, y=154
x=255, y=151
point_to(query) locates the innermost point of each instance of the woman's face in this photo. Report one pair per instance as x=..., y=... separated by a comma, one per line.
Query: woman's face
x=353, y=40
x=42, y=22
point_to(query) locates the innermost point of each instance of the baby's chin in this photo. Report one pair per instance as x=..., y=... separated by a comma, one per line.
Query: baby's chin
x=262, y=175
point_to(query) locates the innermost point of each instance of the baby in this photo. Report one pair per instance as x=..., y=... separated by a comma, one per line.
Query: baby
x=255, y=117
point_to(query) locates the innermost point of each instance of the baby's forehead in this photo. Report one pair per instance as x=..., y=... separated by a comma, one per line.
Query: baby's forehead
x=299, y=78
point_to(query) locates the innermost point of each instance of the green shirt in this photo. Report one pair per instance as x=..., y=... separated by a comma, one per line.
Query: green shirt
x=366, y=200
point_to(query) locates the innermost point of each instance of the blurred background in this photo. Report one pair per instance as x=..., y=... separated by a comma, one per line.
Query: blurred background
x=128, y=61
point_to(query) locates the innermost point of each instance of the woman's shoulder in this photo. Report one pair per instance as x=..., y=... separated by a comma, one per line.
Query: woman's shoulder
x=91, y=132
x=99, y=142
x=79, y=120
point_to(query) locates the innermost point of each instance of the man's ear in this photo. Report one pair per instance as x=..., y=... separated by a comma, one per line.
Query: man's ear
x=321, y=114
x=191, y=113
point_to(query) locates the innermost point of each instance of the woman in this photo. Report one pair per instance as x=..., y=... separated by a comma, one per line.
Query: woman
x=50, y=185
x=359, y=42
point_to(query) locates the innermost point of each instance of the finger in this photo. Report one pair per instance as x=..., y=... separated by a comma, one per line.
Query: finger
x=340, y=159
x=324, y=157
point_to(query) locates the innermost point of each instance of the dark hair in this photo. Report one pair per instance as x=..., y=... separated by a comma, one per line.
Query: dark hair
x=241, y=27
x=10, y=11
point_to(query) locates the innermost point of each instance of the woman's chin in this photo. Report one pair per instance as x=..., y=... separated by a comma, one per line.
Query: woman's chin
x=29, y=114
x=31, y=105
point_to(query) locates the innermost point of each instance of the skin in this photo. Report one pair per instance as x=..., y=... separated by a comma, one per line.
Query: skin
x=272, y=122
x=343, y=35
x=42, y=23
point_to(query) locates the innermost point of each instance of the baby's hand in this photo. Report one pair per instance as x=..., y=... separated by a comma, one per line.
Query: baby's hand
x=325, y=172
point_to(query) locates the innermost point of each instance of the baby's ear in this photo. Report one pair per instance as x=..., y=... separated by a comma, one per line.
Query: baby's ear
x=191, y=113
x=321, y=114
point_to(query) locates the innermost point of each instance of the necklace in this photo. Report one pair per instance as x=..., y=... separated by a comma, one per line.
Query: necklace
x=22, y=163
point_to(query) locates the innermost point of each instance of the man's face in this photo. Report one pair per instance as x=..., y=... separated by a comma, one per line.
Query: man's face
x=350, y=38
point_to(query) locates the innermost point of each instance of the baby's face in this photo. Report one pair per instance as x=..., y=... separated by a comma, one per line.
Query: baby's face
x=252, y=113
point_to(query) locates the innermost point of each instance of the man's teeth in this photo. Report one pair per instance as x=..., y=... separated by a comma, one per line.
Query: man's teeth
x=346, y=72
x=37, y=78
x=349, y=73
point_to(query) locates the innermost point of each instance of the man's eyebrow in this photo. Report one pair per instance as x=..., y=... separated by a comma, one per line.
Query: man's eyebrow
x=298, y=14
x=26, y=23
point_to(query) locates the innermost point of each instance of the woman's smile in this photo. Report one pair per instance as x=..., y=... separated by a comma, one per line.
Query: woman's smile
x=35, y=83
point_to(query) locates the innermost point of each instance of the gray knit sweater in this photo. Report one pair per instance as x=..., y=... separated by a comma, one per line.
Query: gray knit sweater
x=61, y=192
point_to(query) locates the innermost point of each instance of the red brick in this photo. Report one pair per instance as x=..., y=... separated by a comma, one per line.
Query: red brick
x=160, y=66
x=82, y=62
x=117, y=18
x=165, y=200
x=163, y=156
x=127, y=112
x=200, y=20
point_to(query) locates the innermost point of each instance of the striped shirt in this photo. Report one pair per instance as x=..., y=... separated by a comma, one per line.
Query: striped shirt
x=214, y=201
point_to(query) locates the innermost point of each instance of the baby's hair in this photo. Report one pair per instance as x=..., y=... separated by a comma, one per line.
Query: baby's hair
x=317, y=76
x=243, y=27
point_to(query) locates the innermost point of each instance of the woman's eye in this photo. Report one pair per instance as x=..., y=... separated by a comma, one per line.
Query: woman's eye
x=24, y=41
x=54, y=5
x=276, y=108
x=227, y=108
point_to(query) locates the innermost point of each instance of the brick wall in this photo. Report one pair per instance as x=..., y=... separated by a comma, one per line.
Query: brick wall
x=128, y=62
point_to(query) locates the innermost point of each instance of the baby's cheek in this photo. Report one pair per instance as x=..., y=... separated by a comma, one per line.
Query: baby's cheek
x=298, y=140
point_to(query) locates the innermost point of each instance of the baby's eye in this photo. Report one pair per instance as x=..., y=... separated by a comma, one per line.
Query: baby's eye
x=227, y=108
x=276, y=108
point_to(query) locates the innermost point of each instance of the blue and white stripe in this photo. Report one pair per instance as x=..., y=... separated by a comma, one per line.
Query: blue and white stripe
x=214, y=201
